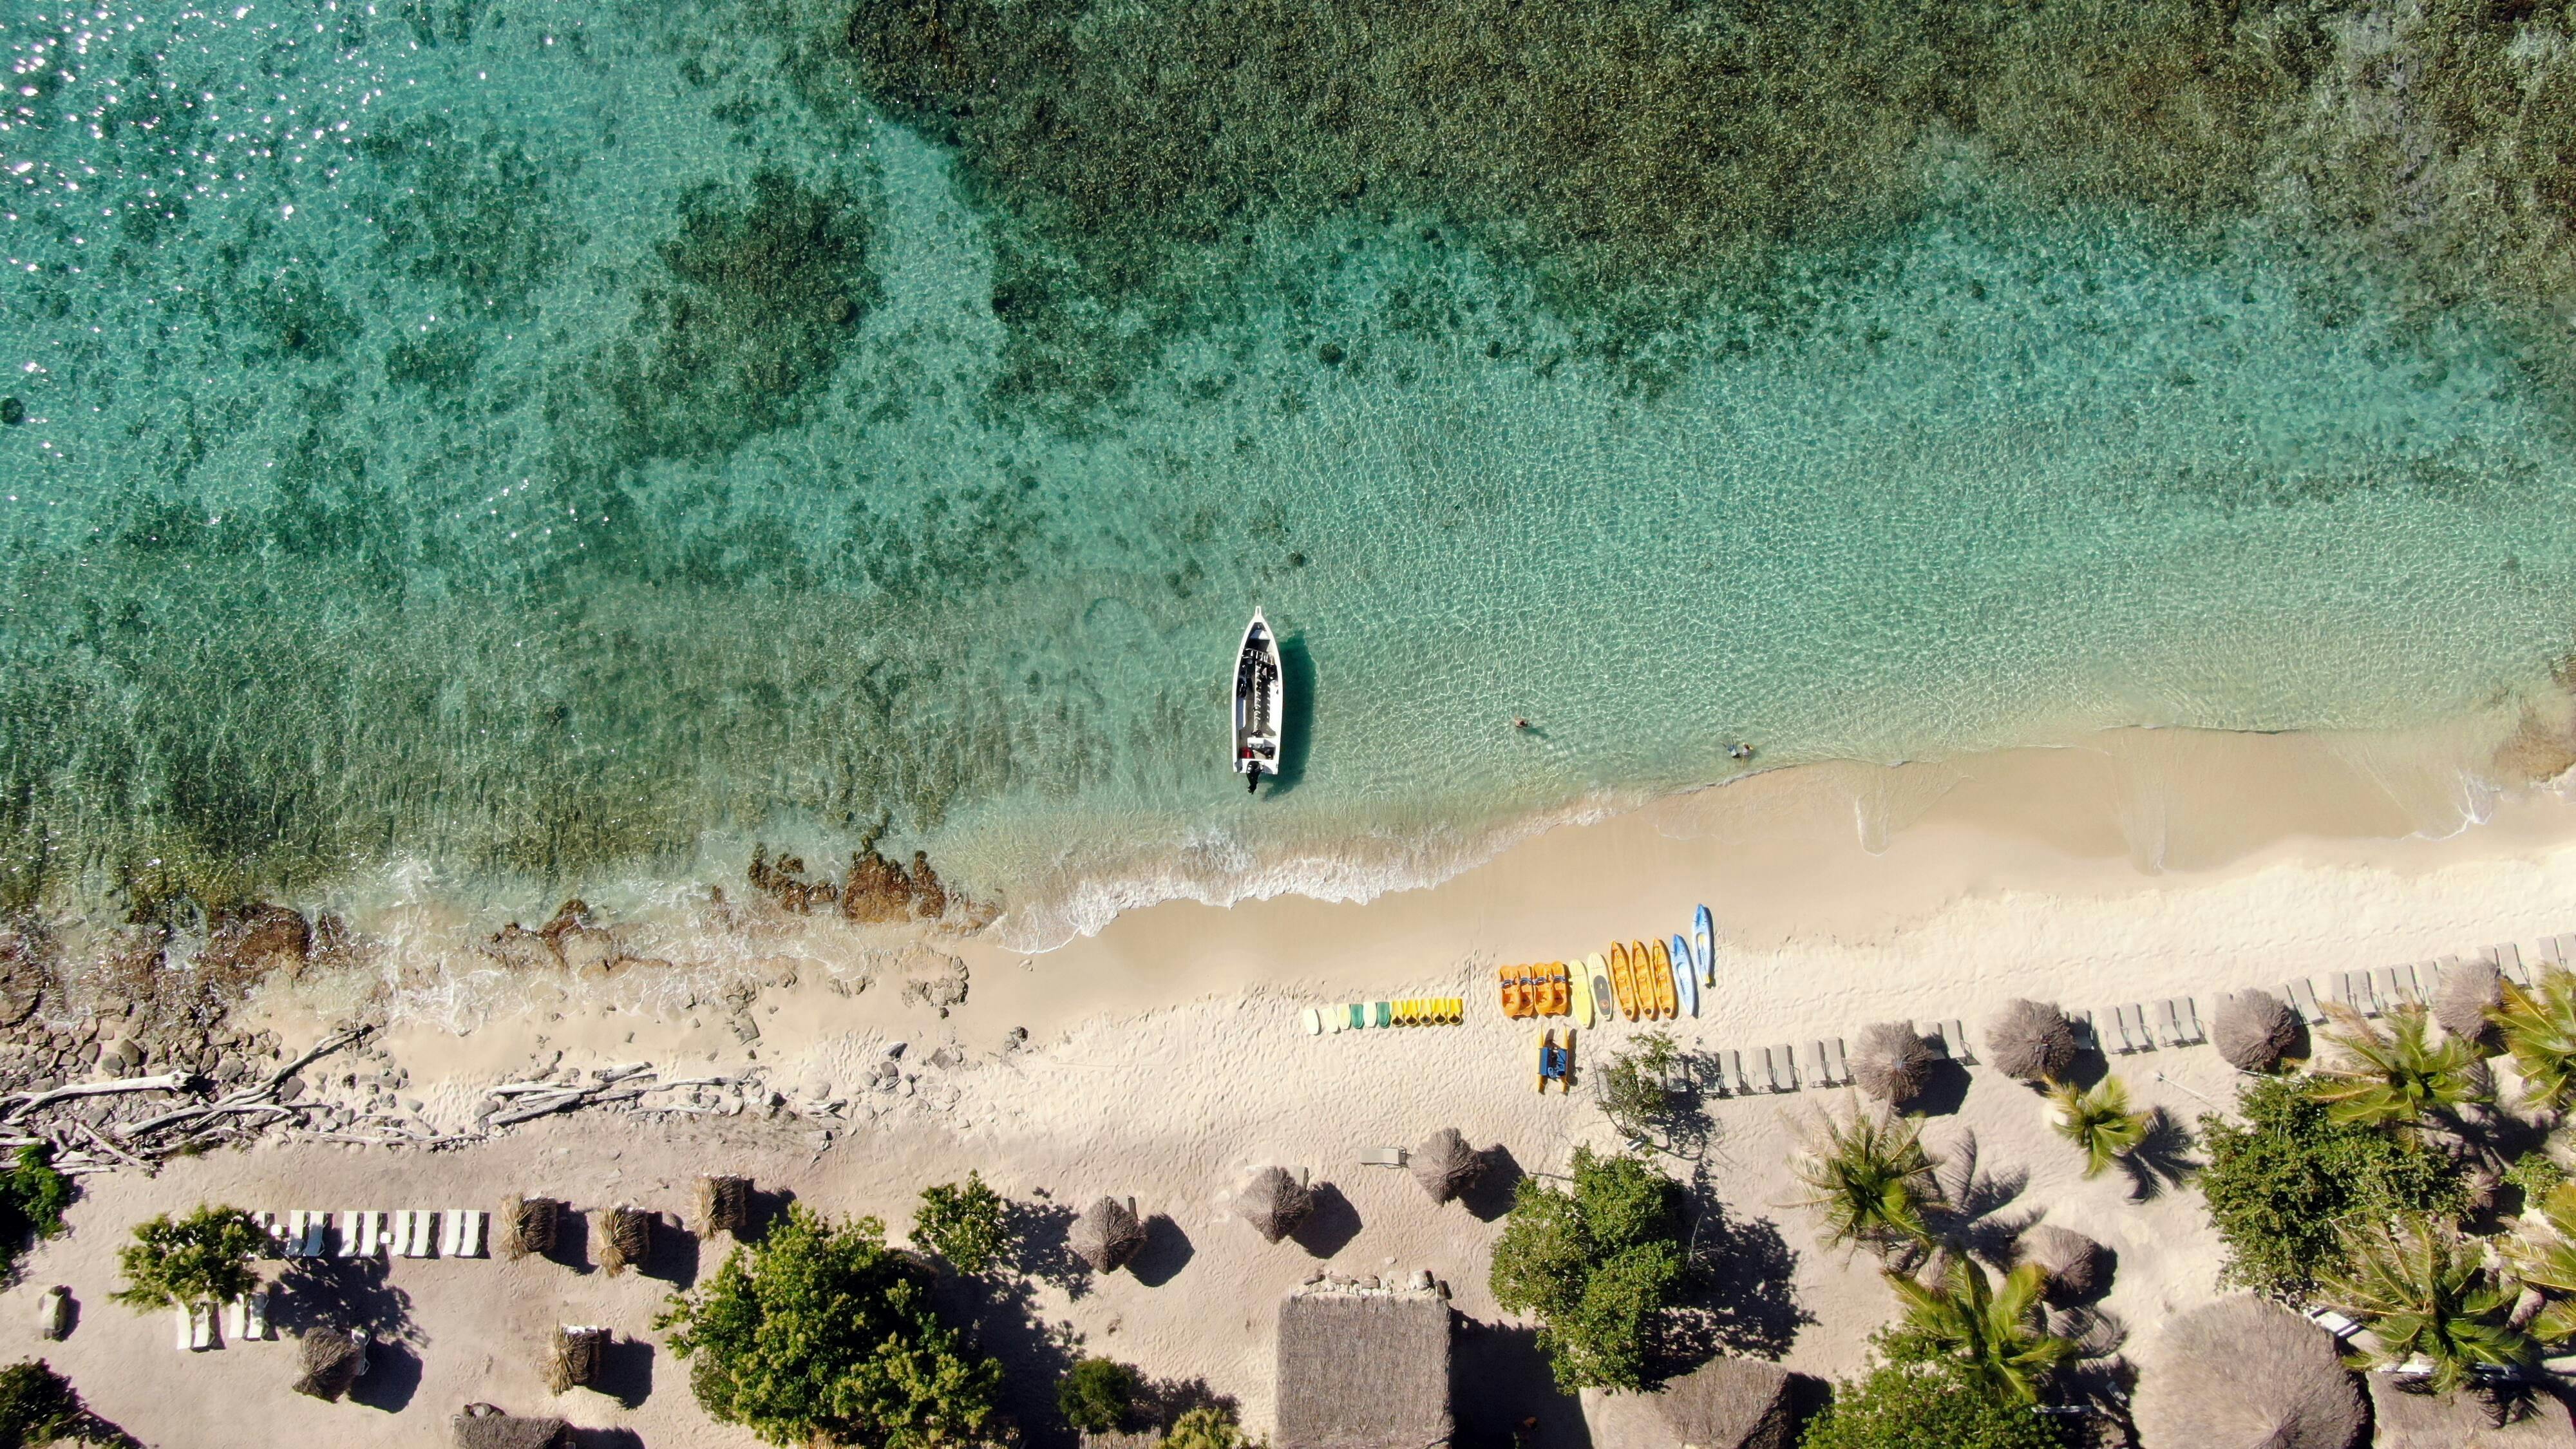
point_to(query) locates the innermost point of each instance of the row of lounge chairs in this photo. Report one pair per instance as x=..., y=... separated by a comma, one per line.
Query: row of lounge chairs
x=2379, y=991
x=245, y=1321
x=1819, y=1063
x=2172, y=1022
x=403, y=1233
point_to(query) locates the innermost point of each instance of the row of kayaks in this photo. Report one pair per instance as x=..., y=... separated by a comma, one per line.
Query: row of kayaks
x=1636, y=980
x=1402, y=1011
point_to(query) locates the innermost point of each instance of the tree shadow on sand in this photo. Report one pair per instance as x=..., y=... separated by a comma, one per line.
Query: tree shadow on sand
x=343, y=1293
x=2163, y=1160
x=1742, y=1297
x=1503, y=1391
x=1037, y=1232
x=999, y=1315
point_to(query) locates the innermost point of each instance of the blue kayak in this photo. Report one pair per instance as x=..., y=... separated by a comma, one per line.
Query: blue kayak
x=1685, y=980
x=1704, y=947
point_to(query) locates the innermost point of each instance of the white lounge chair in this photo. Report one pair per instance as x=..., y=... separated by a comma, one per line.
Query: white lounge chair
x=179, y=1328
x=1382, y=1157
x=1836, y=1061
x=2332, y=1322
x=2302, y=995
x=2508, y=963
x=236, y=1321
x=424, y=1232
x=1815, y=1073
x=317, y=1233
x=2192, y=1035
x=399, y=1244
x=2406, y=985
x=293, y=1238
x=255, y=1314
x=349, y=1233
x=1954, y=1040
x=201, y=1327
x=1730, y=1072
x=1785, y=1068
x=2168, y=1022
x=469, y=1231
x=2087, y=1036
x=372, y=1233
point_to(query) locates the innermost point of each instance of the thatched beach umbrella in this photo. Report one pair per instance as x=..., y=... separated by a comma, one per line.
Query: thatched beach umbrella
x=2460, y=1003
x=573, y=1358
x=481, y=1426
x=529, y=1225
x=1444, y=1164
x=625, y=1238
x=2078, y=1268
x=328, y=1361
x=1894, y=1063
x=1725, y=1403
x=2032, y=1040
x=1106, y=1235
x=2254, y=1030
x=1275, y=1203
x=2245, y=1374
x=724, y=1205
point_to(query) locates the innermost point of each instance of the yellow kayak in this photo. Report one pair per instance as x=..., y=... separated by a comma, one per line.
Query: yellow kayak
x=1667, y=999
x=1623, y=981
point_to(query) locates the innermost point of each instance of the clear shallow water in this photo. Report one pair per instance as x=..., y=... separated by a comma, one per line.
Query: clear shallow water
x=557, y=442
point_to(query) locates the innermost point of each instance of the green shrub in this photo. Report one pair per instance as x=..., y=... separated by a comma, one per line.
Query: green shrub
x=962, y=1223
x=1920, y=1406
x=1632, y=1093
x=1097, y=1394
x=2284, y=1178
x=2536, y=1173
x=204, y=1257
x=1205, y=1428
x=33, y=1197
x=820, y=1330
x=1598, y=1265
x=37, y=1405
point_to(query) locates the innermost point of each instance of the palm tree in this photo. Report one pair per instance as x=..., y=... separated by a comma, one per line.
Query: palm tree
x=1998, y=1339
x=2549, y=1264
x=2398, y=1077
x=2099, y=1122
x=2539, y=1027
x=2425, y=1294
x=1870, y=1179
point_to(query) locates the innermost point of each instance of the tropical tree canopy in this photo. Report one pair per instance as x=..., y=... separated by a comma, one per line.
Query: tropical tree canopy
x=204, y=1257
x=1598, y=1265
x=2424, y=1292
x=2099, y=1122
x=1869, y=1179
x=819, y=1329
x=1995, y=1339
x=2284, y=1178
x=2397, y=1077
x=964, y=1223
x=38, y=1405
x=2548, y=1262
x=2539, y=1027
x=1911, y=1406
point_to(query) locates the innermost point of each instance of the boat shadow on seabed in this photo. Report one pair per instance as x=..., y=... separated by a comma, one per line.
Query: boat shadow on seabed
x=1297, y=677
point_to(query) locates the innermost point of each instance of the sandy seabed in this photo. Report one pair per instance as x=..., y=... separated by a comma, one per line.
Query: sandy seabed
x=1162, y=1060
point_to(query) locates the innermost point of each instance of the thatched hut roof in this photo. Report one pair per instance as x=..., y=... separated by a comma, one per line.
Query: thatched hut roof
x=724, y=1205
x=2032, y=1040
x=2409, y=1419
x=1725, y=1403
x=528, y=1225
x=328, y=1361
x=625, y=1238
x=1444, y=1164
x=1363, y=1371
x=2254, y=1030
x=481, y=1426
x=2078, y=1268
x=1275, y=1203
x=2460, y=1003
x=2245, y=1374
x=573, y=1358
x=1894, y=1063
x=1106, y=1235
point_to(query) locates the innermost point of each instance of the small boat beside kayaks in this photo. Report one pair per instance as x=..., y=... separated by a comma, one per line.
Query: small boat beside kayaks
x=1704, y=947
x=1595, y=1002
x=1260, y=704
x=1667, y=996
x=1685, y=978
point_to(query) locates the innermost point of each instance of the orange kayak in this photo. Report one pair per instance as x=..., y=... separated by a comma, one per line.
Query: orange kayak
x=1667, y=1002
x=1516, y=1001
x=1560, y=990
x=1623, y=981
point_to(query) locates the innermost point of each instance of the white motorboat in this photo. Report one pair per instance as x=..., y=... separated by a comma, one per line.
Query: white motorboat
x=1260, y=703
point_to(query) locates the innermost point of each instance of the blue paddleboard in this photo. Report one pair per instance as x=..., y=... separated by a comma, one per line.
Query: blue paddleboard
x=1685, y=980
x=1704, y=947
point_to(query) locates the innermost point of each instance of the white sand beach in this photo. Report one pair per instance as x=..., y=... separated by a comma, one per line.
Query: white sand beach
x=1162, y=1059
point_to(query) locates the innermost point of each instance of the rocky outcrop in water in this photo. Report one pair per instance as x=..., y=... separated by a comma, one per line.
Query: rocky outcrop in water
x=877, y=891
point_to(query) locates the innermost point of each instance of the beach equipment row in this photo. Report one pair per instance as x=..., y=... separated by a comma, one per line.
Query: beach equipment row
x=1537, y=990
x=1400, y=1011
x=402, y=1233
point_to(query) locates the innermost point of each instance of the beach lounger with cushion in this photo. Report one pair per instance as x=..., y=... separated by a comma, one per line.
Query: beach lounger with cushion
x=1812, y=1065
x=201, y=1327
x=1835, y=1061
x=1730, y=1071
x=1778, y=1074
x=424, y=1232
x=350, y=1222
x=2168, y=1023
x=236, y=1321
x=1382, y=1157
x=1954, y=1040
x=2191, y=1032
x=1787, y=1071
x=469, y=1233
x=449, y=1225
x=2407, y=986
x=2087, y=1036
x=255, y=1314
x=2332, y=1322
x=2566, y=947
x=2123, y=1040
x=400, y=1244
x=2508, y=963
x=2302, y=996
x=294, y=1237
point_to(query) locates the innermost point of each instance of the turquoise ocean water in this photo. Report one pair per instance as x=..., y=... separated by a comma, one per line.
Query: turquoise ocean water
x=567, y=443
